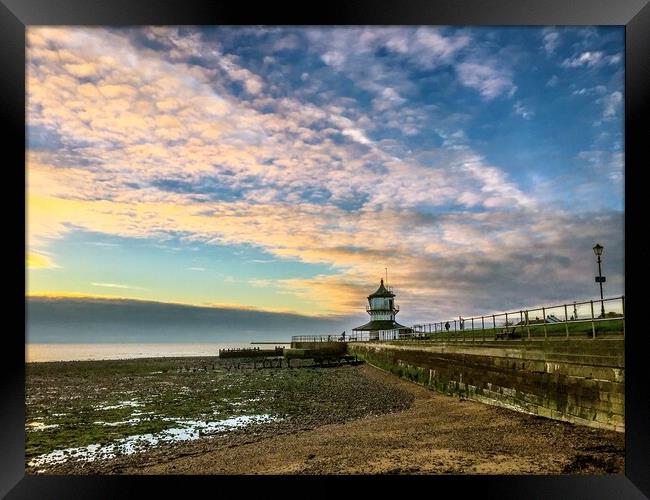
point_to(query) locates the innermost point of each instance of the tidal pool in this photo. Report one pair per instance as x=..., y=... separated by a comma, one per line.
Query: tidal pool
x=188, y=430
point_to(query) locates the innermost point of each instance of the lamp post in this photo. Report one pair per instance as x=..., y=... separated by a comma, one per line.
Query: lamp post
x=600, y=279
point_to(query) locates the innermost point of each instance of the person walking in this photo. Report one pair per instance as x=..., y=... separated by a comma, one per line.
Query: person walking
x=447, y=326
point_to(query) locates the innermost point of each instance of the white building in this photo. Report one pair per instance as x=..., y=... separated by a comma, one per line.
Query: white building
x=382, y=309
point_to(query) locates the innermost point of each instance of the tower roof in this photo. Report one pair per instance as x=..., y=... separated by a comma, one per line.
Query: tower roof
x=382, y=291
x=379, y=324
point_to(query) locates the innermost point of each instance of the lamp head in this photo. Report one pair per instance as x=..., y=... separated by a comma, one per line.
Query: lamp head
x=598, y=249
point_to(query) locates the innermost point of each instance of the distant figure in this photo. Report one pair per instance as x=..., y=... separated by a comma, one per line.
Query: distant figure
x=462, y=323
x=329, y=338
x=447, y=326
x=343, y=336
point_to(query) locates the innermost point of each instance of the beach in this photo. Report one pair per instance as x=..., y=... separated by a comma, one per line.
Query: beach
x=196, y=416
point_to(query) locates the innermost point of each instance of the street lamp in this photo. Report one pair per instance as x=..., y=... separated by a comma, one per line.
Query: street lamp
x=600, y=279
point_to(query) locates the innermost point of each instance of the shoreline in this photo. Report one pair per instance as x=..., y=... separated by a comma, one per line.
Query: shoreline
x=61, y=352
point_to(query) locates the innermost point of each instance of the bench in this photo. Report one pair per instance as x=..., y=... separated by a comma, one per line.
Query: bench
x=508, y=332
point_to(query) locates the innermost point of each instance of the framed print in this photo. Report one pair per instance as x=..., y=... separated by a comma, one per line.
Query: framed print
x=371, y=240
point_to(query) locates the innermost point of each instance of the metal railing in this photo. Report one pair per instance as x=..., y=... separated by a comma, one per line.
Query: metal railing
x=351, y=337
x=591, y=318
x=587, y=318
x=322, y=338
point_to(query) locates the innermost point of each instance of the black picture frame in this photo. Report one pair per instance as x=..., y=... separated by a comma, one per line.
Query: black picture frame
x=15, y=15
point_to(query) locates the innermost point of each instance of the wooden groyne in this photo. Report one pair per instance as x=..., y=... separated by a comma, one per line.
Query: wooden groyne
x=250, y=352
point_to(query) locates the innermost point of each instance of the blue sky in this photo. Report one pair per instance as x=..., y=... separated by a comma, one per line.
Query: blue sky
x=283, y=169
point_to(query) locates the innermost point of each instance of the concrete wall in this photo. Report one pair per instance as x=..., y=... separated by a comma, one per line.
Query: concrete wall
x=323, y=347
x=580, y=381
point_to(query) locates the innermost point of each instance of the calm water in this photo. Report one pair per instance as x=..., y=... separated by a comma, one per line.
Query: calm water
x=81, y=352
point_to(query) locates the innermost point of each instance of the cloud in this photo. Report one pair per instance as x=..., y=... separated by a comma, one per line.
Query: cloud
x=261, y=283
x=81, y=70
x=49, y=320
x=357, y=54
x=596, y=90
x=101, y=244
x=523, y=111
x=184, y=141
x=550, y=40
x=613, y=104
x=432, y=46
x=605, y=163
x=289, y=42
x=340, y=294
x=553, y=81
x=252, y=82
x=334, y=58
x=490, y=80
x=117, y=285
x=34, y=260
x=196, y=268
x=584, y=59
x=387, y=99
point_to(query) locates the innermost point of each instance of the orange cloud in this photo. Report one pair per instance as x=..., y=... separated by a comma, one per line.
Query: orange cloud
x=35, y=260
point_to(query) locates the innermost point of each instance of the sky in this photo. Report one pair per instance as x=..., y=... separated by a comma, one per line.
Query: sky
x=282, y=169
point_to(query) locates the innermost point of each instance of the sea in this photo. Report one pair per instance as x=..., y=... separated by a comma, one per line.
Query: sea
x=41, y=352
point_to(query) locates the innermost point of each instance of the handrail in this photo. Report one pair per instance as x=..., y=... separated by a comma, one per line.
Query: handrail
x=563, y=320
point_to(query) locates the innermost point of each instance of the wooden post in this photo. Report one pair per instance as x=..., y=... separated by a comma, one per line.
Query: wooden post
x=472, y=329
x=593, y=325
x=494, y=325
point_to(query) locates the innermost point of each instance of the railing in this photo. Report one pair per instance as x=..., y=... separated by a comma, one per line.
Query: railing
x=589, y=318
x=349, y=337
x=322, y=338
x=592, y=318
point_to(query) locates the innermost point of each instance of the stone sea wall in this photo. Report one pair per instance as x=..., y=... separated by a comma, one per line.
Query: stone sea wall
x=580, y=381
